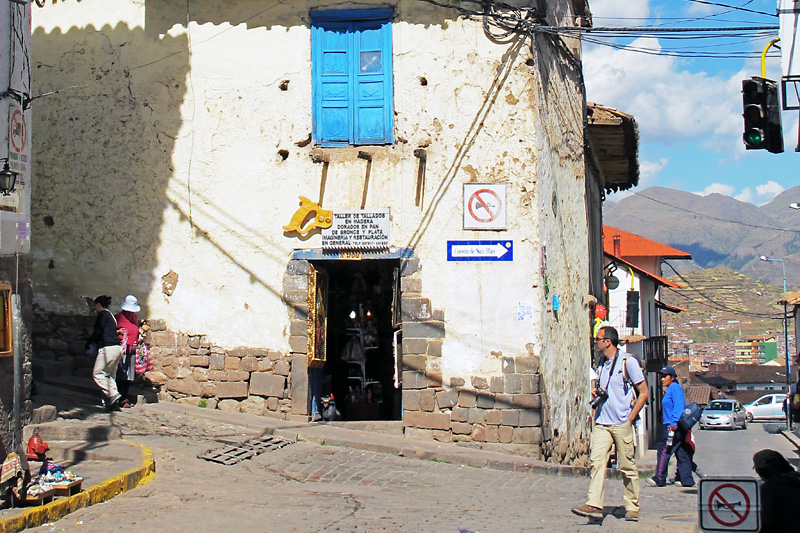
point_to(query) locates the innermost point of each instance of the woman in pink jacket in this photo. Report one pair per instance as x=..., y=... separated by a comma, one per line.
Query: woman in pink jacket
x=128, y=324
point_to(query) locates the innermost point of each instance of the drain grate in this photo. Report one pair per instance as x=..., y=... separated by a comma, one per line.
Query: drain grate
x=235, y=453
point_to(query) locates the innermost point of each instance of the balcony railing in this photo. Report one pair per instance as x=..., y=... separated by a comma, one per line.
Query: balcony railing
x=654, y=353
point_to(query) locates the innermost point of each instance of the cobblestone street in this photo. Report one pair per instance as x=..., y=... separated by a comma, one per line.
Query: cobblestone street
x=312, y=487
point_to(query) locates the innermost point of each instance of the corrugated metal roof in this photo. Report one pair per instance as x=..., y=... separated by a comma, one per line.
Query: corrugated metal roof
x=632, y=245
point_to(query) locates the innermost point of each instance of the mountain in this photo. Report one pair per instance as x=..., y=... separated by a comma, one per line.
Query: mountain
x=719, y=231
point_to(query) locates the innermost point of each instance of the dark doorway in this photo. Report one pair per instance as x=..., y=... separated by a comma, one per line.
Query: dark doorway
x=360, y=369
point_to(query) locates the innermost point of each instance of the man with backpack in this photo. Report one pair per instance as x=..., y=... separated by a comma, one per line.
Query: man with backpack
x=620, y=395
x=672, y=436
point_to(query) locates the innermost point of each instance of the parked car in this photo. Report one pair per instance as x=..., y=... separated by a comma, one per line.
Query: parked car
x=723, y=414
x=768, y=407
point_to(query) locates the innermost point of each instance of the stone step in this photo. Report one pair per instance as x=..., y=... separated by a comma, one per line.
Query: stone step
x=84, y=385
x=66, y=430
x=386, y=427
x=45, y=369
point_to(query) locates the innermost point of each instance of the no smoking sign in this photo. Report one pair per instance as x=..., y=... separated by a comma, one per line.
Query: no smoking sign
x=485, y=206
x=729, y=504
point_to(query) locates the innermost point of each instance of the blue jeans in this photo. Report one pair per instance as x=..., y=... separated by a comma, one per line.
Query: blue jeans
x=315, y=387
x=664, y=454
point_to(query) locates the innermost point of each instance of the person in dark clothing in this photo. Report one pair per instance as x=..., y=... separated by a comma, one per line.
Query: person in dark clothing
x=780, y=492
x=109, y=353
x=672, y=436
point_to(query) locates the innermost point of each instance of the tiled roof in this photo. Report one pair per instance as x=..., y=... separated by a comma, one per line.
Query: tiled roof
x=657, y=279
x=632, y=245
x=791, y=298
x=701, y=394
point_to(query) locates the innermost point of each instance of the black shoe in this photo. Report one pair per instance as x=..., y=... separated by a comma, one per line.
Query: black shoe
x=114, y=406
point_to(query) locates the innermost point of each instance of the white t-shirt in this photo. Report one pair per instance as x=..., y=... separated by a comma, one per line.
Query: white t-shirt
x=617, y=407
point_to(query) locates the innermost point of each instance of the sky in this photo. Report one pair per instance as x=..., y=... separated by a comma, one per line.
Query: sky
x=689, y=109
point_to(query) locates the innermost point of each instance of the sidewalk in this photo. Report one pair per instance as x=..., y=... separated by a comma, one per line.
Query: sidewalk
x=89, y=441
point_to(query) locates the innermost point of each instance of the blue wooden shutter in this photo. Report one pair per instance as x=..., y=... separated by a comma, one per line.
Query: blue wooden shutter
x=332, y=58
x=373, y=82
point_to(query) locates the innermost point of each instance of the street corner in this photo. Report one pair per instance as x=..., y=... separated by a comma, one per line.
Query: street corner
x=98, y=493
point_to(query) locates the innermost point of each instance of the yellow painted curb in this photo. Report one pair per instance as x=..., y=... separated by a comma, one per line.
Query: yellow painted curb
x=101, y=492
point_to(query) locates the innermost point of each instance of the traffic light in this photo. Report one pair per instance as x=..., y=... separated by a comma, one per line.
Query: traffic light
x=762, y=115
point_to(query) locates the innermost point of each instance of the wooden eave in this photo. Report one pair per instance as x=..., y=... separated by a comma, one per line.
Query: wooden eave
x=614, y=143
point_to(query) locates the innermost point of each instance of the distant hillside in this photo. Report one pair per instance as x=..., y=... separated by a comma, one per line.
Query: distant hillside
x=717, y=230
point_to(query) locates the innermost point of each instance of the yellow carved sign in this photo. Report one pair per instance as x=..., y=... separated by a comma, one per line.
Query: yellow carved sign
x=322, y=217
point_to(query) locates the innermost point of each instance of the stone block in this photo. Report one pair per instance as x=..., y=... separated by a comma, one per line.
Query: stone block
x=408, y=266
x=477, y=416
x=508, y=365
x=527, y=401
x=217, y=375
x=530, y=418
x=460, y=428
x=530, y=383
x=422, y=420
x=272, y=404
x=419, y=434
x=297, y=267
x=415, y=346
x=459, y=414
x=467, y=398
x=510, y=417
x=527, y=365
x=479, y=382
x=415, y=310
x=442, y=436
x=503, y=401
x=447, y=399
x=156, y=377
x=299, y=394
x=236, y=375
x=295, y=297
x=435, y=348
x=232, y=363
x=433, y=369
x=411, y=400
x=514, y=383
x=274, y=355
x=157, y=324
x=527, y=436
x=194, y=341
x=414, y=380
x=427, y=400
x=186, y=386
x=410, y=285
x=298, y=343
x=208, y=390
x=478, y=433
x=485, y=400
x=493, y=418
x=264, y=365
x=259, y=352
x=163, y=338
x=504, y=434
x=457, y=382
x=497, y=384
x=200, y=374
x=232, y=390
x=423, y=330
x=298, y=328
x=229, y=406
x=492, y=434
x=415, y=362
x=216, y=361
x=199, y=360
x=254, y=405
x=281, y=368
x=267, y=385
x=295, y=283
x=249, y=364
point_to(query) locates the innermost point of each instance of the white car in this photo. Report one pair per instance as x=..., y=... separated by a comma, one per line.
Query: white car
x=768, y=407
x=723, y=413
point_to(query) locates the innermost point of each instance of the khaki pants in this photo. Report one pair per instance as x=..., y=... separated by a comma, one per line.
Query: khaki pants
x=105, y=371
x=602, y=439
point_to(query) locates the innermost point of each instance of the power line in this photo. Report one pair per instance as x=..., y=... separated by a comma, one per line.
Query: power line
x=757, y=226
x=735, y=8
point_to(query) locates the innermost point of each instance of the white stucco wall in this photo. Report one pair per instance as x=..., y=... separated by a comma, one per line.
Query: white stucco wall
x=163, y=158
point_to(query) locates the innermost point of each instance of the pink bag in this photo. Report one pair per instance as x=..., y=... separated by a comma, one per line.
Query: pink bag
x=142, y=362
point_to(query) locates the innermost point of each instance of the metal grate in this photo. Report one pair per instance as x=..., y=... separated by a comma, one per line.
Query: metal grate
x=235, y=453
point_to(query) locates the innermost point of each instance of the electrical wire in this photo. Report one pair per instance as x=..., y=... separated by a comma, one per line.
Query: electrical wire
x=735, y=8
x=713, y=303
x=703, y=215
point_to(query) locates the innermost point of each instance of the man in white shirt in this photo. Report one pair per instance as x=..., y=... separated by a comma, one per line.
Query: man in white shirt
x=619, y=374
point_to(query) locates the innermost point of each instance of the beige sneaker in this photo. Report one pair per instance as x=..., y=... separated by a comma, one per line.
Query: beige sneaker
x=631, y=516
x=589, y=511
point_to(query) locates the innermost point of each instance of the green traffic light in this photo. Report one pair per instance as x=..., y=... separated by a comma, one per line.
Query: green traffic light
x=754, y=138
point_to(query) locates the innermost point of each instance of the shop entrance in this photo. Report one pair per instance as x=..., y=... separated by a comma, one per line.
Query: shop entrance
x=355, y=327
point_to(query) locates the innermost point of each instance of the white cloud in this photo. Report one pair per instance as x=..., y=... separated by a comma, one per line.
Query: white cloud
x=745, y=196
x=770, y=189
x=608, y=12
x=719, y=188
x=650, y=169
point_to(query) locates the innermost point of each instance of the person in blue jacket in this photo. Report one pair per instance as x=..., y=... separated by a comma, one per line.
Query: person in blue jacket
x=672, y=436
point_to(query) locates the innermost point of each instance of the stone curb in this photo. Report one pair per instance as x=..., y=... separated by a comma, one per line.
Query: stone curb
x=478, y=458
x=98, y=493
x=794, y=439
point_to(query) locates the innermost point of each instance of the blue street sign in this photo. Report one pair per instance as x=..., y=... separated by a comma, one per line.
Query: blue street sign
x=497, y=250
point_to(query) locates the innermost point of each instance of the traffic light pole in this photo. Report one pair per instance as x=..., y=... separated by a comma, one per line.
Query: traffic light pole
x=764, y=57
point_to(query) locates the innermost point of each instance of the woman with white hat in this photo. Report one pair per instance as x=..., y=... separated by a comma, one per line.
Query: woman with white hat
x=128, y=324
